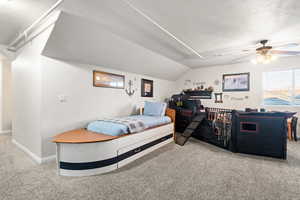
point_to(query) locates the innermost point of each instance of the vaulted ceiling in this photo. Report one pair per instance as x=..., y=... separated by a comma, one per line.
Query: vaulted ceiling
x=16, y=15
x=217, y=30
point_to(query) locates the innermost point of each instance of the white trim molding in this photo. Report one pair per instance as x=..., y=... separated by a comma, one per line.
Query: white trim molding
x=48, y=159
x=27, y=151
x=13, y=46
x=5, y=132
x=36, y=158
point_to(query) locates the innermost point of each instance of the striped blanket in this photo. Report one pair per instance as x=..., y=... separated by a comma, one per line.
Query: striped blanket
x=133, y=125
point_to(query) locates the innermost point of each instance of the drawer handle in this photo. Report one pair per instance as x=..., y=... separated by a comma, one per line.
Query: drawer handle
x=137, y=150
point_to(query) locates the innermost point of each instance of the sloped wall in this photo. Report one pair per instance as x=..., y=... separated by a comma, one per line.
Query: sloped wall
x=78, y=39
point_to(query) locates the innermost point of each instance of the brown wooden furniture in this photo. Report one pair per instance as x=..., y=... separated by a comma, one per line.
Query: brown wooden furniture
x=82, y=136
x=85, y=136
x=289, y=133
x=172, y=114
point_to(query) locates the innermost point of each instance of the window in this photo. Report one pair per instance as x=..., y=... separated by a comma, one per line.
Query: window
x=297, y=87
x=281, y=87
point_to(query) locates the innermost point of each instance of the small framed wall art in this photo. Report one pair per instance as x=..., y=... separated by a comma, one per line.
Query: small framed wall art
x=147, y=88
x=236, y=82
x=108, y=80
x=218, y=98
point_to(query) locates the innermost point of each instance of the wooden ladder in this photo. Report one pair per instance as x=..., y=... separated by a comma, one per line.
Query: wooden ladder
x=182, y=138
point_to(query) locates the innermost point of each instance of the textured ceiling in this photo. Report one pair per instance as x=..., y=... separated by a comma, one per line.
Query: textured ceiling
x=16, y=15
x=218, y=30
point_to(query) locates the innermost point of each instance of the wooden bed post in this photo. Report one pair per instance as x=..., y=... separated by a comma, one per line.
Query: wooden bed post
x=172, y=114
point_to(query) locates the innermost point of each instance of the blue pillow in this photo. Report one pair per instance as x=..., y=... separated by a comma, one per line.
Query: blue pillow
x=155, y=108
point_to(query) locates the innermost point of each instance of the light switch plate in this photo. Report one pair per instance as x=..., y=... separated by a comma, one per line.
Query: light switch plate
x=62, y=98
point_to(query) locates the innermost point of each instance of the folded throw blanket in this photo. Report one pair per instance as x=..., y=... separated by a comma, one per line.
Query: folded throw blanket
x=133, y=125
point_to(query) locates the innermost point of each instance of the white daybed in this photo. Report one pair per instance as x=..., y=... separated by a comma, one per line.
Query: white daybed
x=82, y=153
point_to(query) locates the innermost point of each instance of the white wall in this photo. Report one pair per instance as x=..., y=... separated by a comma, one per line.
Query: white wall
x=1, y=96
x=27, y=94
x=27, y=91
x=210, y=74
x=26, y=105
x=7, y=96
x=84, y=102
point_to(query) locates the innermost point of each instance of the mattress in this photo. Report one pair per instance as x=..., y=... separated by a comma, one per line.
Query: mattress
x=117, y=129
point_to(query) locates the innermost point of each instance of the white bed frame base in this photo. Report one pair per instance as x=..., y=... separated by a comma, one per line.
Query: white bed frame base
x=98, y=151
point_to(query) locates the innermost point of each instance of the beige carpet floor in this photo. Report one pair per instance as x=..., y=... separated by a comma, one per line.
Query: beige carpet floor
x=195, y=171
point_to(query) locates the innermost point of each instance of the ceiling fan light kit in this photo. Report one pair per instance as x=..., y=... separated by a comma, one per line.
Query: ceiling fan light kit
x=263, y=54
x=264, y=59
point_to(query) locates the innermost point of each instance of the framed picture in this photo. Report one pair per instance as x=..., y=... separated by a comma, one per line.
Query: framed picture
x=109, y=80
x=236, y=82
x=147, y=88
x=218, y=98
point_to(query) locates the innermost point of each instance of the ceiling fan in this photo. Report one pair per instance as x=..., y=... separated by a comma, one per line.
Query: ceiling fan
x=266, y=53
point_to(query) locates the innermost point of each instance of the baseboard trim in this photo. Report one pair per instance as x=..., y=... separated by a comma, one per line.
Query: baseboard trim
x=27, y=151
x=5, y=132
x=36, y=158
x=48, y=159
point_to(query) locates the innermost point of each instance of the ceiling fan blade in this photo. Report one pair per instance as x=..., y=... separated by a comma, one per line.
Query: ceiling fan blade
x=292, y=53
x=289, y=45
x=244, y=58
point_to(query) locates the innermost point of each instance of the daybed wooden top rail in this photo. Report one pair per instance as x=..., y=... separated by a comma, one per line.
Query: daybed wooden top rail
x=85, y=136
x=82, y=136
